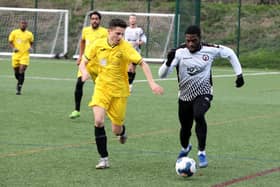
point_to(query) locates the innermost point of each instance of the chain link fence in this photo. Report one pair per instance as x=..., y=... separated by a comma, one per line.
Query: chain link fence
x=259, y=21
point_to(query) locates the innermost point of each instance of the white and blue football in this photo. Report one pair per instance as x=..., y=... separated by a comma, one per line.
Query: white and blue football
x=185, y=166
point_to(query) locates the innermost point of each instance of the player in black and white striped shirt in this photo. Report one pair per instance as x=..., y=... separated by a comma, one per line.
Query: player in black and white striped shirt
x=193, y=62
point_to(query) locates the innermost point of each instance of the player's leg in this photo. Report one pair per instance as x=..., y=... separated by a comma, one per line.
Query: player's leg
x=78, y=94
x=116, y=112
x=131, y=75
x=100, y=137
x=16, y=72
x=100, y=103
x=201, y=106
x=20, y=77
x=185, y=112
x=15, y=65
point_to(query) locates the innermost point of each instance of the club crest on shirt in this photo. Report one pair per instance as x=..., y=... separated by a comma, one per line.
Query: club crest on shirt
x=205, y=57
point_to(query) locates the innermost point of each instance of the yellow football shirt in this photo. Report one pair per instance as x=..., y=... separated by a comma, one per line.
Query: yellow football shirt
x=114, y=61
x=21, y=41
x=90, y=35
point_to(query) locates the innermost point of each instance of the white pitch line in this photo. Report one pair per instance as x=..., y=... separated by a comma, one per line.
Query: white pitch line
x=215, y=76
x=222, y=76
x=42, y=78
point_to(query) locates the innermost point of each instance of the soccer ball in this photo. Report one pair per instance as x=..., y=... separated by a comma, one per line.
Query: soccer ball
x=185, y=166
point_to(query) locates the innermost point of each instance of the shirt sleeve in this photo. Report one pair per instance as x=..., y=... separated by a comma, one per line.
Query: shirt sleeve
x=11, y=37
x=31, y=37
x=164, y=70
x=133, y=55
x=228, y=53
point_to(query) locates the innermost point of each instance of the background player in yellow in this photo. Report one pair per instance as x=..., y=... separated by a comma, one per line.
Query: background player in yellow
x=20, y=40
x=89, y=35
x=111, y=85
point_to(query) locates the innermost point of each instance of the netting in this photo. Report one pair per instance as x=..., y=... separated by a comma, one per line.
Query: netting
x=50, y=29
x=157, y=27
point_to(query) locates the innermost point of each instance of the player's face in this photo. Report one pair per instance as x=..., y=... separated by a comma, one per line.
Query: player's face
x=94, y=21
x=132, y=20
x=192, y=42
x=23, y=25
x=115, y=35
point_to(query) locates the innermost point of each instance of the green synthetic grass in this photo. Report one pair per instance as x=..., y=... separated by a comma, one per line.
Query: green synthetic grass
x=41, y=146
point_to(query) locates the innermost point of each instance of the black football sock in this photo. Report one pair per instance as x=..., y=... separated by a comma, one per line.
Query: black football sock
x=78, y=93
x=16, y=75
x=20, y=81
x=131, y=77
x=20, y=78
x=101, y=141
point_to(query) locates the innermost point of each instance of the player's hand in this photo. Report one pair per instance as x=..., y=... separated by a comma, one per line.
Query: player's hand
x=15, y=50
x=30, y=50
x=157, y=89
x=239, y=81
x=170, y=56
x=78, y=61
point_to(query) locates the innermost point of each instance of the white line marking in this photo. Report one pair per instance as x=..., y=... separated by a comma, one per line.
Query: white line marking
x=222, y=76
x=215, y=76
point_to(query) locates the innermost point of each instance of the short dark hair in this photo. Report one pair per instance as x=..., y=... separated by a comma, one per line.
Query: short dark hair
x=117, y=23
x=193, y=29
x=95, y=13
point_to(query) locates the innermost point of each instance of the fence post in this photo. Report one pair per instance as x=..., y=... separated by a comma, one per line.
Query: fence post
x=91, y=4
x=148, y=28
x=238, y=27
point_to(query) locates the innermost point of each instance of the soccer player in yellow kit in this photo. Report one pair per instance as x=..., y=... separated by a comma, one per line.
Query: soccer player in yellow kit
x=20, y=40
x=111, y=88
x=89, y=35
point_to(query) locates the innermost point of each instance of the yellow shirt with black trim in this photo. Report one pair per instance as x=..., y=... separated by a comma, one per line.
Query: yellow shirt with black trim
x=22, y=41
x=114, y=60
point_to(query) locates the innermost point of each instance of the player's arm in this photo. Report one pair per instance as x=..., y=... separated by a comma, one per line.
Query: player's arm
x=168, y=65
x=11, y=43
x=83, y=69
x=143, y=38
x=82, y=50
x=31, y=47
x=228, y=53
x=157, y=89
x=15, y=50
x=31, y=41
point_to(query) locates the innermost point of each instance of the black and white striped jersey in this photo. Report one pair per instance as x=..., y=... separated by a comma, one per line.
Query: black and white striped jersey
x=194, y=69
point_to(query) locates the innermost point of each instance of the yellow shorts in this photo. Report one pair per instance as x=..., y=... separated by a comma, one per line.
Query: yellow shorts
x=16, y=62
x=92, y=70
x=115, y=106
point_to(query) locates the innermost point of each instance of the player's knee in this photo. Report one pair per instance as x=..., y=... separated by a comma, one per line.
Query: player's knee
x=199, y=115
x=99, y=122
